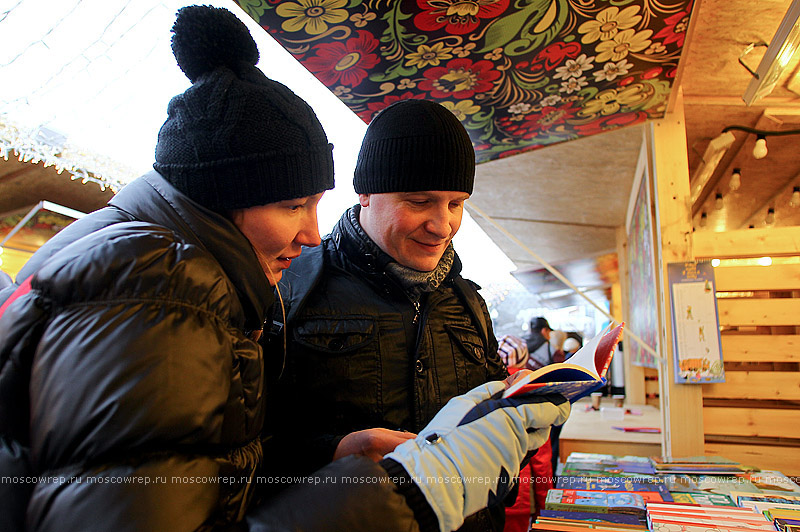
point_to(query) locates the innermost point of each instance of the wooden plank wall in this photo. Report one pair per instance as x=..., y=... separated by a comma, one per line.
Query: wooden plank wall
x=754, y=416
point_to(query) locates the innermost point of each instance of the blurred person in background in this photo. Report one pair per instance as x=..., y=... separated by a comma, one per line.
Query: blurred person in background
x=539, y=343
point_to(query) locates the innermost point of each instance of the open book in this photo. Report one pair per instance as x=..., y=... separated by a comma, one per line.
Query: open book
x=583, y=373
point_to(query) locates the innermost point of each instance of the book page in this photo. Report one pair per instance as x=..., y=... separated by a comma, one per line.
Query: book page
x=576, y=377
x=584, y=356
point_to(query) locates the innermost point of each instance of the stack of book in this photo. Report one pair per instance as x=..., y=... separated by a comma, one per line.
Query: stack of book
x=783, y=510
x=698, y=465
x=607, y=465
x=604, y=501
x=694, y=518
x=600, y=491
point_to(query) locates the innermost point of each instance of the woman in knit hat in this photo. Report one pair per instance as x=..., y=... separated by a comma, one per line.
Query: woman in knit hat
x=133, y=389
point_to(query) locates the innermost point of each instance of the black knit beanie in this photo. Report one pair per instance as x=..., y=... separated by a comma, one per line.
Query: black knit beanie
x=235, y=138
x=415, y=145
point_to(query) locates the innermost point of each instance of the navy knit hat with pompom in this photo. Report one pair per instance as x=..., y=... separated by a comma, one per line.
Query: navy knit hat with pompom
x=235, y=138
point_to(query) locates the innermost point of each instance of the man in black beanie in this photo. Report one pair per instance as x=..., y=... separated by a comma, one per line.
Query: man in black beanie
x=383, y=329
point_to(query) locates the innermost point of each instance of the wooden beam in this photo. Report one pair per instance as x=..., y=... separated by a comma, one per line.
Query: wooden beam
x=756, y=385
x=748, y=312
x=681, y=404
x=761, y=348
x=744, y=278
x=785, y=103
x=688, y=38
x=783, y=459
x=769, y=242
x=761, y=422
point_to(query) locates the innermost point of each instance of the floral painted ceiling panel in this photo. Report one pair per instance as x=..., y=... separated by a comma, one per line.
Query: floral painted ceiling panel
x=519, y=75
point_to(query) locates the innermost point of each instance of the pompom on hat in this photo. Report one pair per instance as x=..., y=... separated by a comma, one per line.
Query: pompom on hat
x=235, y=138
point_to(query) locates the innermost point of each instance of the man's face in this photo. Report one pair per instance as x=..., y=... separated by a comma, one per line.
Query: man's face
x=414, y=228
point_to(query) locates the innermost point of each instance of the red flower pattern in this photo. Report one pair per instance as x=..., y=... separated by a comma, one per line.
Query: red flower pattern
x=607, y=123
x=461, y=78
x=456, y=16
x=552, y=56
x=346, y=63
x=675, y=30
x=535, y=123
x=374, y=107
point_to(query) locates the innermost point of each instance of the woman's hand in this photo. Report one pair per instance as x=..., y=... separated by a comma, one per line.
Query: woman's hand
x=372, y=443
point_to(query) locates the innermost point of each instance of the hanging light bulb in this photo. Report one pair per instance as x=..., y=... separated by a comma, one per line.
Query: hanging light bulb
x=760, y=149
x=770, y=219
x=736, y=179
x=795, y=200
x=703, y=220
x=718, y=204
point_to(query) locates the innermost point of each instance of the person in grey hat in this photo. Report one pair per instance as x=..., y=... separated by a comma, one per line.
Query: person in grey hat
x=383, y=330
x=133, y=389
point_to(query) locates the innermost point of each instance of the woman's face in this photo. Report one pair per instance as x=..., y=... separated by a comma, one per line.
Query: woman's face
x=278, y=230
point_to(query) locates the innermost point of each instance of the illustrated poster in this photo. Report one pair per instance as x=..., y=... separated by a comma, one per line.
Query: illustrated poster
x=642, y=317
x=695, y=323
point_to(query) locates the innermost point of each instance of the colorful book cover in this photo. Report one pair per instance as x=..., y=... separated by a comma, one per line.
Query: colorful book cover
x=559, y=525
x=595, y=501
x=584, y=373
x=786, y=525
x=637, y=484
x=729, y=512
x=761, y=507
x=783, y=513
x=570, y=495
x=591, y=516
x=597, y=525
x=764, y=497
x=666, y=525
x=706, y=499
x=705, y=516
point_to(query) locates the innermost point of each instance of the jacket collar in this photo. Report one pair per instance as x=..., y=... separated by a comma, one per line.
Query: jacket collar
x=153, y=199
x=350, y=238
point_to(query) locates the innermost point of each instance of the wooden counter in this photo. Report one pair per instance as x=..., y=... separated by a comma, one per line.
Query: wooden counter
x=588, y=432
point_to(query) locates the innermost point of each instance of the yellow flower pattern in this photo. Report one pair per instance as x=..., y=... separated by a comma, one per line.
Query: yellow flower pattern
x=624, y=42
x=462, y=108
x=429, y=55
x=311, y=16
x=608, y=23
x=610, y=101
